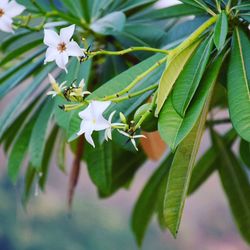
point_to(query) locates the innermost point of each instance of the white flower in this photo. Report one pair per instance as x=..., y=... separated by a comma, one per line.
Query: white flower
x=8, y=10
x=93, y=120
x=132, y=137
x=60, y=46
x=108, y=131
x=57, y=89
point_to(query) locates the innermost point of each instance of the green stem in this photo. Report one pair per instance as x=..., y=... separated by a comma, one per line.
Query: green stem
x=140, y=92
x=136, y=80
x=125, y=51
x=70, y=107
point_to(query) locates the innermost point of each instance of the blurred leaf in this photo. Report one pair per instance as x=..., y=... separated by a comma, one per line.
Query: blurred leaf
x=29, y=179
x=178, y=10
x=131, y=4
x=173, y=69
x=46, y=158
x=39, y=134
x=21, y=75
x=239, y=83
x=109, y=24
x=11, y=111
x=18, y=152
x=220, y=30
x=147, y=201
x=245, y=152
x=99, y=162
x=236, y=185
x=20, y=51
x=190, y=77
x=17, y=68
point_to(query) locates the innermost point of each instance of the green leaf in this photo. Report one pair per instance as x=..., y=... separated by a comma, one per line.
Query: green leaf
x=109, y=24
x=20, y=51
x=147, y=201
x=220, y=30
x=172, y=127
x=245, y=152
x=236, y=185
x=11, y=112
x=190, y=77
x=180, y=173
x=173, y=69
x=39, y=133
x=19, y=77
x=99, y=162
x=208, y=163
x=18, y=152
x=239, y=83
x=29, y=179
x=17, y=68
x=48, y=151
x=178, y=10
x=131, y=4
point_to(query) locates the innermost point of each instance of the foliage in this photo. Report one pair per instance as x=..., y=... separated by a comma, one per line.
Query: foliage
x=197, y=61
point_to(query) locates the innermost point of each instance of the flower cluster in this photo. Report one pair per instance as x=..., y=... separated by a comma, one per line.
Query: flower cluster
x=60, y=47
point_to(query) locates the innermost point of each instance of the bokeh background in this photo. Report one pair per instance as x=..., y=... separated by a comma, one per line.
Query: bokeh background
x=95, y=224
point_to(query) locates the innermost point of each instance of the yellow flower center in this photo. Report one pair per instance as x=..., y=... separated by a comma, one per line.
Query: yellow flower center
x=61, y=47
x=1, y=12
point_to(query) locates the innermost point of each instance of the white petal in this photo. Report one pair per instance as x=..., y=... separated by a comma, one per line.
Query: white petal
x=3, y=3
x=89, y=139
x=124, y=133
x=111, y=116
x=100, y=124
x=67, y=33
x=6, y=24
x=86, y=114
x=82, y=84
x=139, y=136
x=51, y=38
x=108, y=133
x=73, y=49
x=98, y=107
x=14, y=9
x=51, y=55
x=62, y=60
x=134, y=144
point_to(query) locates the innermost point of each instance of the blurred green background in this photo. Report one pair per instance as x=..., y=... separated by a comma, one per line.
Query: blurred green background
x=96, y=224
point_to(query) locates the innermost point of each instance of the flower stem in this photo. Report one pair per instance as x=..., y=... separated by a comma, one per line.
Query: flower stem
x=125, y=51
x=140, y=92
x=70, y=107
x=136, y=80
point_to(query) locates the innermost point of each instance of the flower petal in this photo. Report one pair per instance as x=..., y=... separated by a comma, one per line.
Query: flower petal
x=100, y=124
x=86, y=114
x=51, y=55
x=67, y=33
x=89, y=139
x=134, y=144
x=73, y=49
x=99, y=107
x=6, y=24
x=111, y=116
x=14, y=9
x=3, y=4
x=124, y=133
x=51, y=38
x=62, y=60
